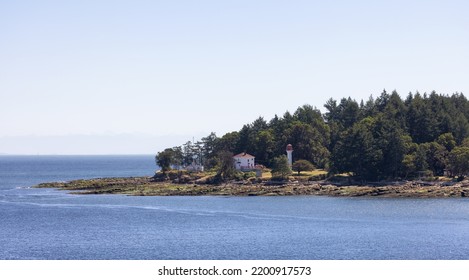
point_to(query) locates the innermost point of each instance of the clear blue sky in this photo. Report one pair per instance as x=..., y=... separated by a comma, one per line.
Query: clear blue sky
x=81, y=77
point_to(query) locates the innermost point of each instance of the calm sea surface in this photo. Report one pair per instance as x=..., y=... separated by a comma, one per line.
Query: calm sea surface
x=51, y=224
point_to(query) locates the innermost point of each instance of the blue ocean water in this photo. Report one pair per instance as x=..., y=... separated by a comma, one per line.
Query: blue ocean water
x=52, y=224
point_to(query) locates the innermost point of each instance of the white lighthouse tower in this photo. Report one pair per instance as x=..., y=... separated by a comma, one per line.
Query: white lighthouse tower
x=289, y=154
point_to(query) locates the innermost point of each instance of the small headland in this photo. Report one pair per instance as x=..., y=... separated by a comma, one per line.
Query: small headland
x=198, y=184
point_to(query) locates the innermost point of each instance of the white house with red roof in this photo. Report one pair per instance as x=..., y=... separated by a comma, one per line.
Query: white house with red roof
x=244, y=161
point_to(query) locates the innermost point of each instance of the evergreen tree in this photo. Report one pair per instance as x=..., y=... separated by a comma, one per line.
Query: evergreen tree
x=281, y=168
x=264, y=144
x=302, y=165
x=225, y=168
x=165, y=159
x=227, y=142
x=459, y=161
x=358, y=151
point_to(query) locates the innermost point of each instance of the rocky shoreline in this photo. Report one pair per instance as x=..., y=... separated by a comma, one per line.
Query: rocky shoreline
x=147, y=186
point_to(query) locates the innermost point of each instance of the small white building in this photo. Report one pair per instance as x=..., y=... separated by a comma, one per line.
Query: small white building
x=244, y=161
x=194, y=167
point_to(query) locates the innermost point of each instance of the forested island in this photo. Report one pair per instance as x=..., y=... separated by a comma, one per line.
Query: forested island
x=353, y=149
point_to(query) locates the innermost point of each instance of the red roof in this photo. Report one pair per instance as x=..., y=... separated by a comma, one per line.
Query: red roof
x=243, y=155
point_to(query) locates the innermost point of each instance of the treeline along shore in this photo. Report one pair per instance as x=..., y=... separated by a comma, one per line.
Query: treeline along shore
x=421, y=142
x=383, y=138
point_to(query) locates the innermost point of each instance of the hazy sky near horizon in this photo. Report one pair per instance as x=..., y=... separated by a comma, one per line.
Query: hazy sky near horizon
x=124, y=75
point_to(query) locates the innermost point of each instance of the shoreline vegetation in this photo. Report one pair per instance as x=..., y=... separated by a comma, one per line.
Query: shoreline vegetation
x=196, y=185
x=412, y=147
x=386, y=138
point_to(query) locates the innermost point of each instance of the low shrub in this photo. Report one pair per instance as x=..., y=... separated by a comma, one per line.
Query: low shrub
x=249, y=174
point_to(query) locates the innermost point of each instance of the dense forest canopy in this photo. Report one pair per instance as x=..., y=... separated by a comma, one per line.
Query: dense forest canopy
x=381, y=138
